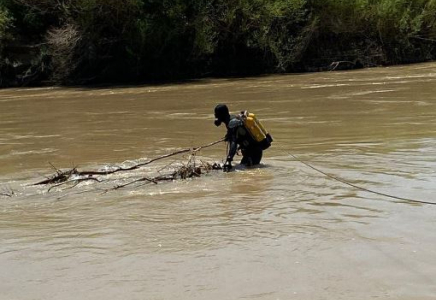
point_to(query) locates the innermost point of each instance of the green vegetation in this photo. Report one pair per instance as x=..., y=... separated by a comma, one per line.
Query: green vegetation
x=5, y=23
x=83, y=41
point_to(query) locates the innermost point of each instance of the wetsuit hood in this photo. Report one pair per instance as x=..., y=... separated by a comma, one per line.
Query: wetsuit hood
x=221, y=114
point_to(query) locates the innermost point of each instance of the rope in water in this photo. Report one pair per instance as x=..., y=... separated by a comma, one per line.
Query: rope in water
x=359, y=187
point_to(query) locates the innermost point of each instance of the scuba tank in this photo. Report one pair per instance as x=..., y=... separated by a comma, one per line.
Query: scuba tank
x=256, y=129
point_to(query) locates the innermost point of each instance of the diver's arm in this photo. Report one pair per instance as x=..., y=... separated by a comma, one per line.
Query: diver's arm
x=233, y=146
x=231, y=139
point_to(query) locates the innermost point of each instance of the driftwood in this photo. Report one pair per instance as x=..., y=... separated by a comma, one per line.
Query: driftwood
x=184, y=172
x=59, y=176
x=334, y=65
x=187, y=170
x=75, y=181
x=347, y=65
x=62, y=176
x=7, y=192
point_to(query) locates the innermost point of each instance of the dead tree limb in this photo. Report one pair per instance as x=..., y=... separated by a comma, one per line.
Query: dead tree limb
x=59, y=176
x=76, y=182
x=63, y=176
x=7, y=192
x=151, y=180
x=334, y=65
x=137, y=166
x=188, y=170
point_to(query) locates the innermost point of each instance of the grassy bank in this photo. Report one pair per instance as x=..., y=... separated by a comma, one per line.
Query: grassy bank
x=88, y=41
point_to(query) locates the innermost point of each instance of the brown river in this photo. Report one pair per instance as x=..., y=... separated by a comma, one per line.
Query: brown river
x=278, y=231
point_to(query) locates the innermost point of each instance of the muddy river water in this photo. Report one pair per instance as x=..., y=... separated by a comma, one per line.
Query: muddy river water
x=278, y=231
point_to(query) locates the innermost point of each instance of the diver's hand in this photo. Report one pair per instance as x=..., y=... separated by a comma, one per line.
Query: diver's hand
x=227, y=166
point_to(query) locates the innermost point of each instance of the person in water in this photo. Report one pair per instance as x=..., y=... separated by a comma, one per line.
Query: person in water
x=237, y=135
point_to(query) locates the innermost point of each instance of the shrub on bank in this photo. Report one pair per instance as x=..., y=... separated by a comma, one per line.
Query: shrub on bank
x=80, y=41
x=5, y=24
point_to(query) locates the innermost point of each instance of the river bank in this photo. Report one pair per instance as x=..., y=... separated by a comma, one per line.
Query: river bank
x=88, y=42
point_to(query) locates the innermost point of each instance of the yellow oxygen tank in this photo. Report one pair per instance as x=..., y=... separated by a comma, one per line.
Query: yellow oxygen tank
x=254, y=127
x=259, y=124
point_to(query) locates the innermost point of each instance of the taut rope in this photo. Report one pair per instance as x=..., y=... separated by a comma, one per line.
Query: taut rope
x=359, y=187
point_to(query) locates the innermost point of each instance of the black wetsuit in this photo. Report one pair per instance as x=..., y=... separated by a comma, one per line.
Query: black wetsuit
x=236, y=135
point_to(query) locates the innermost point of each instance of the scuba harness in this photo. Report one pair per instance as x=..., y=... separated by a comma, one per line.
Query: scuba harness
x=255, y=129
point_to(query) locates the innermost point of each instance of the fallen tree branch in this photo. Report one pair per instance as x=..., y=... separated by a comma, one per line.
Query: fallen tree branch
x=185, y=171
x=334, y=65
x=61, y=177
x=7, y=192
x=120, y=186
x=137, y=166
x=76, y=181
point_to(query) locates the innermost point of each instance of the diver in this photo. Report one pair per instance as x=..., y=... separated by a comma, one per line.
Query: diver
x=239, y=138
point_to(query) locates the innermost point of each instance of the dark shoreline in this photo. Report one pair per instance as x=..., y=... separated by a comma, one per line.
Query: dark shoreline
x=70, y=43
x=198, y=79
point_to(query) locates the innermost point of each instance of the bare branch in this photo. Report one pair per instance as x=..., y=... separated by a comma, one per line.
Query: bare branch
x=7, y=192
x=63, y=176
x=76, y=181
x=188, y=170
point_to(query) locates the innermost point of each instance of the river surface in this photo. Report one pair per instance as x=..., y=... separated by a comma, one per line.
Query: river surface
x=278, y=231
